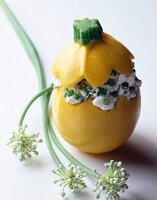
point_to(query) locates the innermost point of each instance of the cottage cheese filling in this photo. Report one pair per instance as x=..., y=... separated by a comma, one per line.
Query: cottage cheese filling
x=106, y=95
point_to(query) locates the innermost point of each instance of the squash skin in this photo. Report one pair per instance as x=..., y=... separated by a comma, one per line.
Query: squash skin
x=91, y=129
x=93, y=62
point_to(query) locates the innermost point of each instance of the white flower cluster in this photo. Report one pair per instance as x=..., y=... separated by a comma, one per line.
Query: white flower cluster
x=70, y=177
x=106, y=95
x=24, y=144
x=113, y=182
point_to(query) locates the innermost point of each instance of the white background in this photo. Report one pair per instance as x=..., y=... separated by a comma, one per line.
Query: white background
x=49, y=24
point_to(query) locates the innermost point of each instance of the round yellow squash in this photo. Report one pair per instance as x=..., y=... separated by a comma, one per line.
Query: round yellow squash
x=84, y=125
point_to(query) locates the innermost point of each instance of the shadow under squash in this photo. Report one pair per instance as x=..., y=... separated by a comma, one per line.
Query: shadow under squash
x=136, y=151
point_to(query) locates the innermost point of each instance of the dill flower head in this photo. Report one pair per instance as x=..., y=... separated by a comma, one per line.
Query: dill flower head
x=70, y=178
x=113, y=182
x=23, y=144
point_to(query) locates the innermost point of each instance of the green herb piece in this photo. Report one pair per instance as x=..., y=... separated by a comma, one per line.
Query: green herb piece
x=86, y=30
x=24, y=144
x=111, y=82
x=65, y=94
x=83, y=100
x=132, y=89
x=71, y=178
x=114, y=93
x=102, y=91
x=82, y=86
x=89, y=88
x=113, y=182
x=77, y=96
x=70, y=93
x=114, y=73
x=107, y=102
x=125, y=85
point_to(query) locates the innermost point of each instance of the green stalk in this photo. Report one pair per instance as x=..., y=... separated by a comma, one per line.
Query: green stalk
x=27, y=44
x=68, y=155
x=31, y=101
x=46, y=134
x=46, y=100
x=34, y=57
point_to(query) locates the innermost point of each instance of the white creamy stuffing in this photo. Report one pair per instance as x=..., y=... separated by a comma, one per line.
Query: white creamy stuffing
x=57, y=83
x=106, y=95
x=100, y=102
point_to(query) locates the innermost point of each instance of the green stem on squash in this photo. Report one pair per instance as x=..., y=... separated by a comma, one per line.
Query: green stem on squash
x=87, y=30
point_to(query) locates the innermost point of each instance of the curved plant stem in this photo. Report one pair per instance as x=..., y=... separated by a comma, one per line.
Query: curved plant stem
x=47, y=91
x=35, y=59
x=47, y=138
x=31, y=101
x=27, y=44
x=68, y=155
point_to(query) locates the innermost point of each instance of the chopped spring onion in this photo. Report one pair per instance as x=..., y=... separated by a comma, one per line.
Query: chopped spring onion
x=117, y=85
